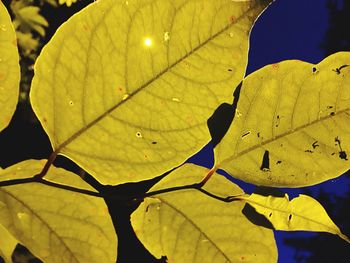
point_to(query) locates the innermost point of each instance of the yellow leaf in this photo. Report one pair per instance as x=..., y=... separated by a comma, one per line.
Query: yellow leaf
x=9, y=68
x=56, y=225
x=188, y=226
x=124, y=88
x=301, y=213
x=7, y=244
x=292, y=124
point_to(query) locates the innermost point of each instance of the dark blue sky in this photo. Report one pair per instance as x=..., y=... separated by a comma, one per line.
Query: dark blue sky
x=289, y=29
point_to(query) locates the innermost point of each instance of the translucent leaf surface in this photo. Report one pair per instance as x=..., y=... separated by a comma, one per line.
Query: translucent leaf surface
x=56, y=225
x=7, y=244
x=124, y=88
x=301, y=213
x=188, y=226
x=9, y=68
x=292, y=124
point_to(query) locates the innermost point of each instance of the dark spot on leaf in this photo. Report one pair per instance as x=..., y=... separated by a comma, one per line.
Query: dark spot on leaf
x=332, y=113
x=332, y=153
x=270, y=214
x=229, y=69
x=147, y=208
x=290, y=217
x=247, y=133
x=329, y=107
x=221, y=119
x=278, y=162
x=343, y=155
x=154, y=142
x=336, y=139
x=255, y=217
x=337, y=70
x=278, y=121
x=308, y=151
x=315, y=144
x=314, y=69
x=265, y=164
x=258, y=134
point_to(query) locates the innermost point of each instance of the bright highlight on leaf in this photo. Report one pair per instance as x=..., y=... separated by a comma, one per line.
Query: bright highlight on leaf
x=301, y=213
x=188, y=226
x=9, y=68
x=96, y=85
x=293, y=124
x=148, y=42
x=56, y=225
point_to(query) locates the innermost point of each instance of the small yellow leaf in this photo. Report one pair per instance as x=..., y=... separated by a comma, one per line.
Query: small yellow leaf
x=56, y=225
x=293, y=124
x=188, y=226
x=158, y=68
x=9, y=68
x=301, y=213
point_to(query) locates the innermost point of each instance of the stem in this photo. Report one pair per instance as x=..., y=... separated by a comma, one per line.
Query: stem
x=170, y=189
x=208, y=176
x=70, y=188
x=197, y=186
x=47, y=165
x=17, y=181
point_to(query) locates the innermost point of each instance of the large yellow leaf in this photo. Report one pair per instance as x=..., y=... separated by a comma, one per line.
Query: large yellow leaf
x=188, y=226
x=124, y=88
x=56, y=225
x=7, y=244
x=292, y=124
x=9, y=68
x=301, y=213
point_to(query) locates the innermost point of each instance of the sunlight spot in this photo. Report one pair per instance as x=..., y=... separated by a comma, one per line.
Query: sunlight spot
x=148, y=42
x=3, y=27
x=126, y=95
x=176, y=99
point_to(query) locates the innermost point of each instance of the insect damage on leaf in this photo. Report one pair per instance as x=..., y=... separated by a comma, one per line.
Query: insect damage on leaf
x=265, y=163
x=342, y=154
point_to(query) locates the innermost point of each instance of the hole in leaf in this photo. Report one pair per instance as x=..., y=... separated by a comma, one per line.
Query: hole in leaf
x=265, y=164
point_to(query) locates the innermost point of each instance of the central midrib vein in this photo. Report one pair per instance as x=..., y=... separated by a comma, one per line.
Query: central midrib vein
x=92, y=123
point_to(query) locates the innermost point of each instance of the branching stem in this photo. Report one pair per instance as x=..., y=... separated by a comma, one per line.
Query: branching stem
x=49, y=162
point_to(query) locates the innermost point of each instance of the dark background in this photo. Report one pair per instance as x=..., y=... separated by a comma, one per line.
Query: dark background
x=308, y=30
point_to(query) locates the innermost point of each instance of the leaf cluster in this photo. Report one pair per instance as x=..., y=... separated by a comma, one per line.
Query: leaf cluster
x=126, y=89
